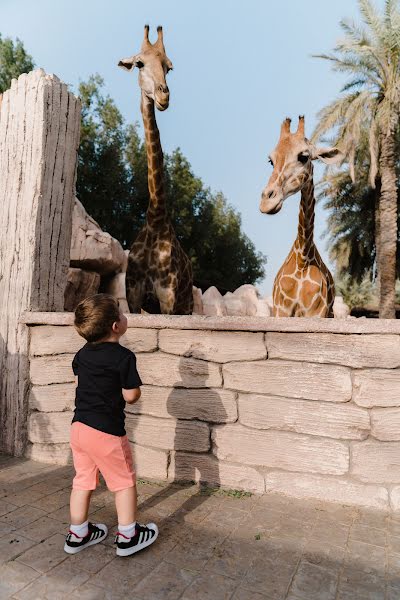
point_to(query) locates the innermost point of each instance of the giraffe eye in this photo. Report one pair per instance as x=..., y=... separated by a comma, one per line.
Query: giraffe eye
x=303, y=157
x=139, y=64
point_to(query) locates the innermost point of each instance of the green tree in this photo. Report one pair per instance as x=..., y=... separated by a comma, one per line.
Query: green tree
x=14, y=60
x=369, y=108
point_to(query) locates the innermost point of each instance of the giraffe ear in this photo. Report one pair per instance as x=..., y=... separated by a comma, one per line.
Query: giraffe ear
x=128, y=63
x=329, y=156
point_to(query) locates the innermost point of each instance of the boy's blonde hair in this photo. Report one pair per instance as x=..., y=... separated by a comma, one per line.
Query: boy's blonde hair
x=94, y=317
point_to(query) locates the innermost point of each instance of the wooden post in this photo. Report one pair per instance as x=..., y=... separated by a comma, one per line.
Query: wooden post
x=39, y=137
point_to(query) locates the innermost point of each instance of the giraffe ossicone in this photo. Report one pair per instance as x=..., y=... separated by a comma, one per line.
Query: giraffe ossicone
x=159, y=273
x=304, y=286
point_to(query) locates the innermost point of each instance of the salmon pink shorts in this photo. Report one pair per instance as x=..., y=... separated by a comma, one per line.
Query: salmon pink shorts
x=94, y=451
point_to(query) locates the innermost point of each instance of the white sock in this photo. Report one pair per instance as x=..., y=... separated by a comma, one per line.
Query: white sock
x=80, y=530
x=127, y=530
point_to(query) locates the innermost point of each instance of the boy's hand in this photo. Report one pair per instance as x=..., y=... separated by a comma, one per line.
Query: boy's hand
x=131, y=396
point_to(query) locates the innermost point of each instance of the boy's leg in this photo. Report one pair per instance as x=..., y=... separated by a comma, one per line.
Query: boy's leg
x=126, y=505
x=79, y=505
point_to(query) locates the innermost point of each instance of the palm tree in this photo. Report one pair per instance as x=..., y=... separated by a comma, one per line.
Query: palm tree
x=369, y=106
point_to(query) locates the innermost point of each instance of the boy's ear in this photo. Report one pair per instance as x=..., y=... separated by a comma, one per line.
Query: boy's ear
x=128, y=63
x=115, y=327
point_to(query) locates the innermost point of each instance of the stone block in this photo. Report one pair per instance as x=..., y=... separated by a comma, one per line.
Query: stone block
x=168, y=434
x=166, y=370
x=217, y=346
x=377, y=387
x=343, y=421
x=49, y=428
x=395, y=498
x=80, y=285
x=308, y=381
x=149, y=462
x=376, y=462
x=385, y=424
x=280, y=449
x=140, y=340
x=213, y=405
x=52, y=398
x=51, y=369
x=350, y=350
x=55, y=454
x=327, y=489
x=205, y=468
x=50, y=339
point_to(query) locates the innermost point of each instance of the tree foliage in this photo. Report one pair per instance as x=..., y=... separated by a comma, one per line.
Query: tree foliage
x=112, y=185
x=14, y=60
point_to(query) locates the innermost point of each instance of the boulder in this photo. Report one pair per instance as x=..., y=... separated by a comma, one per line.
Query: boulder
x=249, y=295
x=116, y=287
x=197, y=301
x=340, y=308
x=263, y=309
x=213, y=303
x=93, y=249
x=235, y=306
x=80, y=285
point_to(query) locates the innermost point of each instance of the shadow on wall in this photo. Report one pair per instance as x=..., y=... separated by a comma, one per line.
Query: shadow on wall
x=189, y=405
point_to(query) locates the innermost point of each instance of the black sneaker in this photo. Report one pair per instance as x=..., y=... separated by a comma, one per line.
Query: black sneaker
x=97, y=533
x=144, y=536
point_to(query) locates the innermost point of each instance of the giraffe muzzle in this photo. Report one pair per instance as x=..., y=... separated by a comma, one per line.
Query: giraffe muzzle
x=162, y=97
x=271, y=202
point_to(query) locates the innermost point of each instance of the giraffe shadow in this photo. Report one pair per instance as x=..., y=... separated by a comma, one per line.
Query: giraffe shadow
x=197, y=473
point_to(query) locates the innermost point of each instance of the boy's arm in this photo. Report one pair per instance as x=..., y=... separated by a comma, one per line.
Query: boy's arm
x=131, y=396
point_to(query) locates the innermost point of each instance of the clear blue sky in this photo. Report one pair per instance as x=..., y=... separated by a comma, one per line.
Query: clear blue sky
x=239, y=69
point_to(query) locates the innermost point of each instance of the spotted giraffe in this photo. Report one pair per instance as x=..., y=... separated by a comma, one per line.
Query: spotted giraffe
x=304, y=286
x=159, y=274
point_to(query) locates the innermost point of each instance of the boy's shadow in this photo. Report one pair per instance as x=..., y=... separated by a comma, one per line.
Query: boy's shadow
x=191, y=467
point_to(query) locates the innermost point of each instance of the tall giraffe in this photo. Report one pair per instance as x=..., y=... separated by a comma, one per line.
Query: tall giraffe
x=159, y=274
x=304, y=286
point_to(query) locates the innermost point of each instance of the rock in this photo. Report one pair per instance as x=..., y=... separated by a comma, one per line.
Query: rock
x=49, y=428
x=270, y=301
x=350, y=350
x=165, y=370
x=205, y=468
x=53, y=339
x=385, y=424
x=340, y=309
x=280, y=450
x=234, y=305
x=149, y=463
x=52, y=398
x=249, y=295
x=197, y=301
x=214, y=346
x=140, y=340
x=93, y=249
x=376, y=462
x=51, y=369
x=116, y=287
x=308, y=381
x=213, y=304
x=327, y=489
x=168, y=434
x=80, y=285
x=263, y=308
x=213, y=405
x=376, y=387
x=343, y=421
x=55, y=454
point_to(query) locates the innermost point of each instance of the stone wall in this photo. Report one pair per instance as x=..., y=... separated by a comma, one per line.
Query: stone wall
x=309, y=408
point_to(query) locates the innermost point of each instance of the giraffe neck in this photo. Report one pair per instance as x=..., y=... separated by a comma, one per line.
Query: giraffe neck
x=305, y=232
x=157, y=209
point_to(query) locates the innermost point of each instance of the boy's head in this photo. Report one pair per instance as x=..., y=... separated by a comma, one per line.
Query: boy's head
x=99, y=318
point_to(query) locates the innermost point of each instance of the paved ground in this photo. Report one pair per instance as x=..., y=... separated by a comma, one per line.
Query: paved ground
x=212, y=545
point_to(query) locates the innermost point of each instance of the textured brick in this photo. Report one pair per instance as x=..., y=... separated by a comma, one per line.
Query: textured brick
x=50, y=339
x=52, y=398
x=377, y=387
x=344, y=421
x=49, y=428
x=167, y=433
x=163, y=369
x=205, y=468
x=57, y=454
x=291, y=379
x=377, y=462
x=217, y=346
x=51, y=369
x=349, y=350
x=329, y=489
x=385, y=424
x=149, y=463
x=279, y=449
x=140, y=340
x=214, y=405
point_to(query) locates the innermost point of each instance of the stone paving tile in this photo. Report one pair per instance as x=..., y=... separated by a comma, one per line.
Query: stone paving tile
x=22, y=516
x=165, y=582
x=6, y=507
x=314, y=582
x=194, y=547
x=52, y=502
x=338, y=513
x=210, y=585
x=120, y=576
x=243, y=594
x=59, y=583
x=270, y=577
x=323, y=554
x=229, y=558
x=394, y=571
x=46, y=555
x=365, y=557
x=40, y=530
x=92, y=592
x=372, y=518
x=14, y=577
x=13, y=545
x=24, y=497
x=369, y=535
x=335, y=534
x=356, y=585
x=394, y=543
x=93, y=559
x=393, y=527
x=5, y=529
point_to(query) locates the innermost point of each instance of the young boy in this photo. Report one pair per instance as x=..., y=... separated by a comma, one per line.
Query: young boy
x=107, y=378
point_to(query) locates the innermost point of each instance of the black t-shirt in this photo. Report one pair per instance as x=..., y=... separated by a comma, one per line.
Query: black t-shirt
x=103, y=369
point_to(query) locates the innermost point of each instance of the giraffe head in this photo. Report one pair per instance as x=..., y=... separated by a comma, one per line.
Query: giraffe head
x=153, y=65
x=292, y=163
